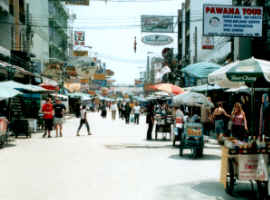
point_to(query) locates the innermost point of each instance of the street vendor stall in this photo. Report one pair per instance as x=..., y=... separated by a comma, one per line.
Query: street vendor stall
x=192, y=137
x=245, y=161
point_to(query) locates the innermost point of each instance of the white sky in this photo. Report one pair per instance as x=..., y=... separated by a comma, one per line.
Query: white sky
x=111, y=27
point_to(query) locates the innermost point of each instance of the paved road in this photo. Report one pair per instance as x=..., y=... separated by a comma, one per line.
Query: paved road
x=116, y=163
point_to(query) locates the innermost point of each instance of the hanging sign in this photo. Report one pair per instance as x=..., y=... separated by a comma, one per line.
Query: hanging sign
x=157, y=24
x=79, y=38
x=226, y=20
x=157, y=40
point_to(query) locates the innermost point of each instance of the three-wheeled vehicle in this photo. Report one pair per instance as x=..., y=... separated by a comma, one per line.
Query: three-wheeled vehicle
x=192, y=138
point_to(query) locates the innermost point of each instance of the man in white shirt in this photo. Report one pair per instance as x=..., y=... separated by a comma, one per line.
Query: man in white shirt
x=137, y=110
x=113, y=109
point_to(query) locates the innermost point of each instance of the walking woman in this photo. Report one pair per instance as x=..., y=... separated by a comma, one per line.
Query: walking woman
x=239, y=122
x=83, y=121
x=219, y=117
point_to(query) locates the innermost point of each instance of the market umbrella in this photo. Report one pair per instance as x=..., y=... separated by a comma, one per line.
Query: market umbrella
x=6, y=92
x=251, y=72
x=169, y=88
x=219, y=77
x=191, y=99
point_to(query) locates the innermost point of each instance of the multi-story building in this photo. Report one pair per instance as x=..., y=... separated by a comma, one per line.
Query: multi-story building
x=58, y=33
x=39, y=33
x=191, y=34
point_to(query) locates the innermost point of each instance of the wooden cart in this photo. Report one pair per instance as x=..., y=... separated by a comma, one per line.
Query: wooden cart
x=245, y=165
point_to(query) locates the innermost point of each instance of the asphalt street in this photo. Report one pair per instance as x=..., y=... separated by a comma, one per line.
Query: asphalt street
x=115, y=163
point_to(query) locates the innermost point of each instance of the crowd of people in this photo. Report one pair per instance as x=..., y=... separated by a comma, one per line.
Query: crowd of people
x=216, y=121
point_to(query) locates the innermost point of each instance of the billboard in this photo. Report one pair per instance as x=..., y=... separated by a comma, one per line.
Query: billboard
x=238, y=21
x=78, y=2
x=207, y=42
x=79, y=38
x=157, y=24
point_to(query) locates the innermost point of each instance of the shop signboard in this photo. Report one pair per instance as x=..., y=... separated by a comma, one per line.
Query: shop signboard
x=157, y=40
x=207, y=42
x=80, y=53
x=157, y=24
x=227, y=20
x=79, y=38
x=101, y=83
x=99, y=76
x=253, y=167
x=77, y=2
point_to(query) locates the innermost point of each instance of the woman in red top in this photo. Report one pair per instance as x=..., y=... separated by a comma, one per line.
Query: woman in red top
x=47, y=110
x=239, y=122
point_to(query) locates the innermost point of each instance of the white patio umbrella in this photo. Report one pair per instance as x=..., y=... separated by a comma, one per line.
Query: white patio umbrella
x=191, y=99
x=219, y=77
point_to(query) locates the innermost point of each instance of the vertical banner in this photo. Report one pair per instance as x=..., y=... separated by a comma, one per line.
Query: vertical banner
x=79, y=38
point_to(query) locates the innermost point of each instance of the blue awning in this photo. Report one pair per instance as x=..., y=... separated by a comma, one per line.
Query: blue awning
x=201, y=69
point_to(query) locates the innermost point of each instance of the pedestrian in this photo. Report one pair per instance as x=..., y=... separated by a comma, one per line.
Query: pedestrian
x=206, y=118
x=127, y=112
x=103, y=110
x=59, y=110
x=47, y=110
x=150, y=120
x=239, y=122
x=113, y=110
x=219, y=117
x=137, y=110
x=179, y=124
x=83, y=121
x=264, y=128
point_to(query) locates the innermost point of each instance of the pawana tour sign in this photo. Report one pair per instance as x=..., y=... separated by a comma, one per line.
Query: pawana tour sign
x=238, y=21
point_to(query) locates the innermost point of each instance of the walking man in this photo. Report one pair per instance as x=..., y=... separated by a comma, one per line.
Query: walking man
x=83, y=121
x=113, y=109
x=137, y=110
x=59, y=110
x=47, y=110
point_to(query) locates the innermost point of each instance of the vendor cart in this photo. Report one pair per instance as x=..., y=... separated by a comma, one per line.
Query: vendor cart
x=163, y=124
x=192, y=138
x=245, y=164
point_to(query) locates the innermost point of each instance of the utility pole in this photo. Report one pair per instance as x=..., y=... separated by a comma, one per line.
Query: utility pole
x=196, y=45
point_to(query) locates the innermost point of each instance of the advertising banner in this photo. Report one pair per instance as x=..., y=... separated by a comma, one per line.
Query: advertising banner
x=157, y=24
x=78, y=2
x=238, y=21
x=99, y=77
x=79, y=38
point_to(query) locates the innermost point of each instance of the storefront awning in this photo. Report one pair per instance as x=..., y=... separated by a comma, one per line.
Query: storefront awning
x=201, y=69
x=4, y=5
x=22, y=87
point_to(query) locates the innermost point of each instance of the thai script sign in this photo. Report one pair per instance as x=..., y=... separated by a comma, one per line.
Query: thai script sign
x=157, y=39
x=157, y=24
x=79, y=38
x=238, y=21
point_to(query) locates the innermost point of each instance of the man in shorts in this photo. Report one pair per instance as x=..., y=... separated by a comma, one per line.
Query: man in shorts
x=59, y=110
x=47, y=110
